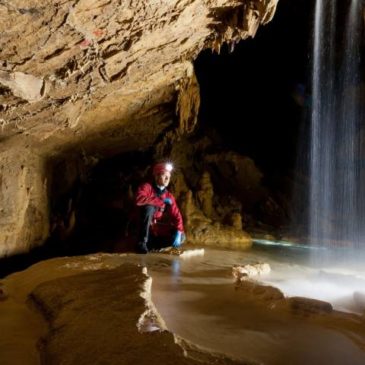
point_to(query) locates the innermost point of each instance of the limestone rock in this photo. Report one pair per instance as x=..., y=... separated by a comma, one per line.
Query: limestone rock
x=27, y=87
x=188, y=102
x=250, y=270
x=235, y=220
x=309, y=306
x=23, y=193
x=238, y=175
x=265, y=294
x=203, y=231
x=190, y=212
x=219, y=236
x=107, y=323
x=205, y=194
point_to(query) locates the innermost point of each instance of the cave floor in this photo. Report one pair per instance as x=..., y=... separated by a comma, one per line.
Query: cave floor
x=199, y=301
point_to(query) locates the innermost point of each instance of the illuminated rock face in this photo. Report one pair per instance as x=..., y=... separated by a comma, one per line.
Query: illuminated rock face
x=98, y=77
x=24, y=207
x=201, y=229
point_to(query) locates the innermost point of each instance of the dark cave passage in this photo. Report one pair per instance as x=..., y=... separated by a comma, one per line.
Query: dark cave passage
x=256, y=101
x=256, y=96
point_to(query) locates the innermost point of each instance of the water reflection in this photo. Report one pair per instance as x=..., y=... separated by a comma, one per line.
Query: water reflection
x=198, y=300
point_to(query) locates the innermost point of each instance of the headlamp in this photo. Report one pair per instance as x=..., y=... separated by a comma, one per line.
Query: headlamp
x=169, y=167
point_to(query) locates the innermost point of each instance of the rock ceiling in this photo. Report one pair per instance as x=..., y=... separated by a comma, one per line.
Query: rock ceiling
x=70, y=69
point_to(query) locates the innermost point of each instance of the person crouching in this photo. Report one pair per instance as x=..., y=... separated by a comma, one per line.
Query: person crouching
x=161, y=223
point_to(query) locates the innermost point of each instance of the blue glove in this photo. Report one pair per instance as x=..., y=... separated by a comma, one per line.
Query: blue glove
x=167, y=201
x=177, y=239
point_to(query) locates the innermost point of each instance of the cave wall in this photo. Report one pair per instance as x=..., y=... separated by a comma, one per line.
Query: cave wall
x=24, y=216
x=99, y=77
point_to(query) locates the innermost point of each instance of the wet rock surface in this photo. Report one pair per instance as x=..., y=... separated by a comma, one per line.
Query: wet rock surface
x=250, y=270
x=98, y=308
x=97, y=315
x=253, y=319
x=91, y=309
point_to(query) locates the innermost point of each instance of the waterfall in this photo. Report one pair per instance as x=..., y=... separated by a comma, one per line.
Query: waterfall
x=336, y=207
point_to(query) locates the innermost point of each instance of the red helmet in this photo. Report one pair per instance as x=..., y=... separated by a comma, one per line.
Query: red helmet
x=161, y=167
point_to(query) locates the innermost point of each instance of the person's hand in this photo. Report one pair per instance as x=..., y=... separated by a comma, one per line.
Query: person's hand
x=168, y=201
x=177, y=239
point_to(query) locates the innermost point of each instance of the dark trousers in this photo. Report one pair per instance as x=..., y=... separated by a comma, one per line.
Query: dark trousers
x=145, y=237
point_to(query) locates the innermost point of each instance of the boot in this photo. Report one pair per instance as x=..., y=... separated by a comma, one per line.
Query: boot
x=142, y=248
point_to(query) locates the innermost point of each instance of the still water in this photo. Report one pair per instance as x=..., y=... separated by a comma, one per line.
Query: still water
x=199, y=301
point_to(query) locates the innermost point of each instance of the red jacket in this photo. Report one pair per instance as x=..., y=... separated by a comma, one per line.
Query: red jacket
x=165, y=219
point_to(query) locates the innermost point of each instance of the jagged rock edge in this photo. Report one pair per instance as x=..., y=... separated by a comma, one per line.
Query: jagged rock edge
x=190, y=350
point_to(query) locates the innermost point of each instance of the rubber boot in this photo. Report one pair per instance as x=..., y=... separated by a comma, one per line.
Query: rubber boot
x=142, y=248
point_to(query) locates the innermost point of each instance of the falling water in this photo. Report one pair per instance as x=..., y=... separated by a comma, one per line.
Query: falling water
x=336, y=192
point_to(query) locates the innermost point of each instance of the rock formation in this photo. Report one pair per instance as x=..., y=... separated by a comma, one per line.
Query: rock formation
x=66, y=304
x=243, y=272
x=61, y=311
x=97, y=78
x=205, y=231
x=205, y=194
